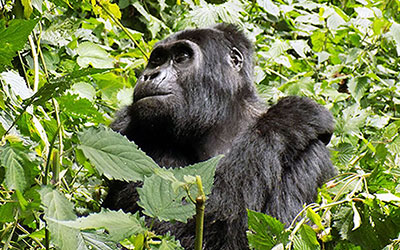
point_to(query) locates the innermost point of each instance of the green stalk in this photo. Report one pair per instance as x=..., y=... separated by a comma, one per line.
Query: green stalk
x=200, y=207
x=123, y=28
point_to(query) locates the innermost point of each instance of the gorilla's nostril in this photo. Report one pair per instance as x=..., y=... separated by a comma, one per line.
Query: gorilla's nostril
x=154, y=75
x=150, y=76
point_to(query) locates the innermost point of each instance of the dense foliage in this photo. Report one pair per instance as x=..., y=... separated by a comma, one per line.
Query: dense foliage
x=66, y=66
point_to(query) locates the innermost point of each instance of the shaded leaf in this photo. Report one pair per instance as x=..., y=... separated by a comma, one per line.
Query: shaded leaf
x=115, y=156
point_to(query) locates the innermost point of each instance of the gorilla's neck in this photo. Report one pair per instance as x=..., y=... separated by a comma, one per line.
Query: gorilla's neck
x=167, y=150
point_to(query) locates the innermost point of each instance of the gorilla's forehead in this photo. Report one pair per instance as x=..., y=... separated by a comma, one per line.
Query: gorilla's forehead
x=198, y=36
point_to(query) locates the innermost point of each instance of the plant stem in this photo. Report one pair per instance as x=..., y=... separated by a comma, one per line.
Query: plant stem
x=200, y=206
x=124, y=29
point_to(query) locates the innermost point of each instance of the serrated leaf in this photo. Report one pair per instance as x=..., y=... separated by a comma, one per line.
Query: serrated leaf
x=92, y=54
x=95, y=241
x=57, y=207
x=84, y=90
x=315, y=218
x=265, y=231
x=118, y=224
x=13, y=160
x=269, y=7
x=56, y=87
x=16, y=83
x=205, y=169
x=163, y=199
x=300, y=46
x=115, y=156
x=160, y=201
x=307, y=239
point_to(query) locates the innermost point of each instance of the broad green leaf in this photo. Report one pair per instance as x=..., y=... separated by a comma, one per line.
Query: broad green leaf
x=300, y=46
x=7, y=212
x=315, y=218
x=115, y=156
x=84, y=90
x=334, y=20
x=56, y=87
x=96, y=241
x=13, y=38
x=79, y=107
x=318, y=41
x=357, y=87
x=110, y=84
x=57, y=207
x=307, y=239
x=92, y=54
x=269, y=7
x=16, y=84
x=387, y=197
x=118, y=224
x=394, y=33
x=13, y=159
x=265, y=231
x=160, y=199
x=205, y=169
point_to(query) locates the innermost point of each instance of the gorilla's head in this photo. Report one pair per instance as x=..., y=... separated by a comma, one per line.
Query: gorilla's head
x=194, y=81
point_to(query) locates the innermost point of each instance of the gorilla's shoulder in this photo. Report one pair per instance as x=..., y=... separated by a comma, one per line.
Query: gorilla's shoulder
x=299, y=119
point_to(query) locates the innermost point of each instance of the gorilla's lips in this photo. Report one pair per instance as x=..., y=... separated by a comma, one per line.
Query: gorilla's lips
x=143, y=95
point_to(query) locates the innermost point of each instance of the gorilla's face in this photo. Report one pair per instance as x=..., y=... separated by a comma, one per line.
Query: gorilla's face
x=161, y=87
x=191, y=80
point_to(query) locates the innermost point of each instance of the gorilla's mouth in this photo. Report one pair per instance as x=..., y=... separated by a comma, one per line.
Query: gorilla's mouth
x=143, y=96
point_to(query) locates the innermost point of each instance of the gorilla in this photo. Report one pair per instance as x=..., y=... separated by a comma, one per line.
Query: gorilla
x=195, y=100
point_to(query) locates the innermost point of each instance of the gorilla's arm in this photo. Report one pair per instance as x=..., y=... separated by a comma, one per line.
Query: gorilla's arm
x=274, y=167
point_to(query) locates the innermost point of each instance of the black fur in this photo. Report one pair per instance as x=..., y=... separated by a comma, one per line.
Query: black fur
x=275, y=159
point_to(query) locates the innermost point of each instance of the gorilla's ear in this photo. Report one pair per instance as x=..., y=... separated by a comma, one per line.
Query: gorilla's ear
x=236, y=59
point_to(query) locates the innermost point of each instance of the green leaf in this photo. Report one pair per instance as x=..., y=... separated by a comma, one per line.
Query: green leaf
x=356, y=217
x=160, y=199
x=109, y=85
x=315, y=218
x=96, y=241
x=28, y=9
x=119, y=225
x=269, y=7
x=16, y=84
x=56, y=205
x=318, y=41
x=13, y=38
x=58, y=86
x=92, y=54
x=13, y=159
x=387, y=197
x=115, y=156
x=205, y=169
x=394, y=33
x=84, y=90
x=306, y=239
x=265, y=231
x=7, y=212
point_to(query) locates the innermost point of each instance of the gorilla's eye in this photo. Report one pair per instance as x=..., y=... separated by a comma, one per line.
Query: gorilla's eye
x=158, y=57
x=182, y=56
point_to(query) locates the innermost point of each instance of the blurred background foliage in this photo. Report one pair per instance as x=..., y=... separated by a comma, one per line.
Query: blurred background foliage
x=67, y=65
